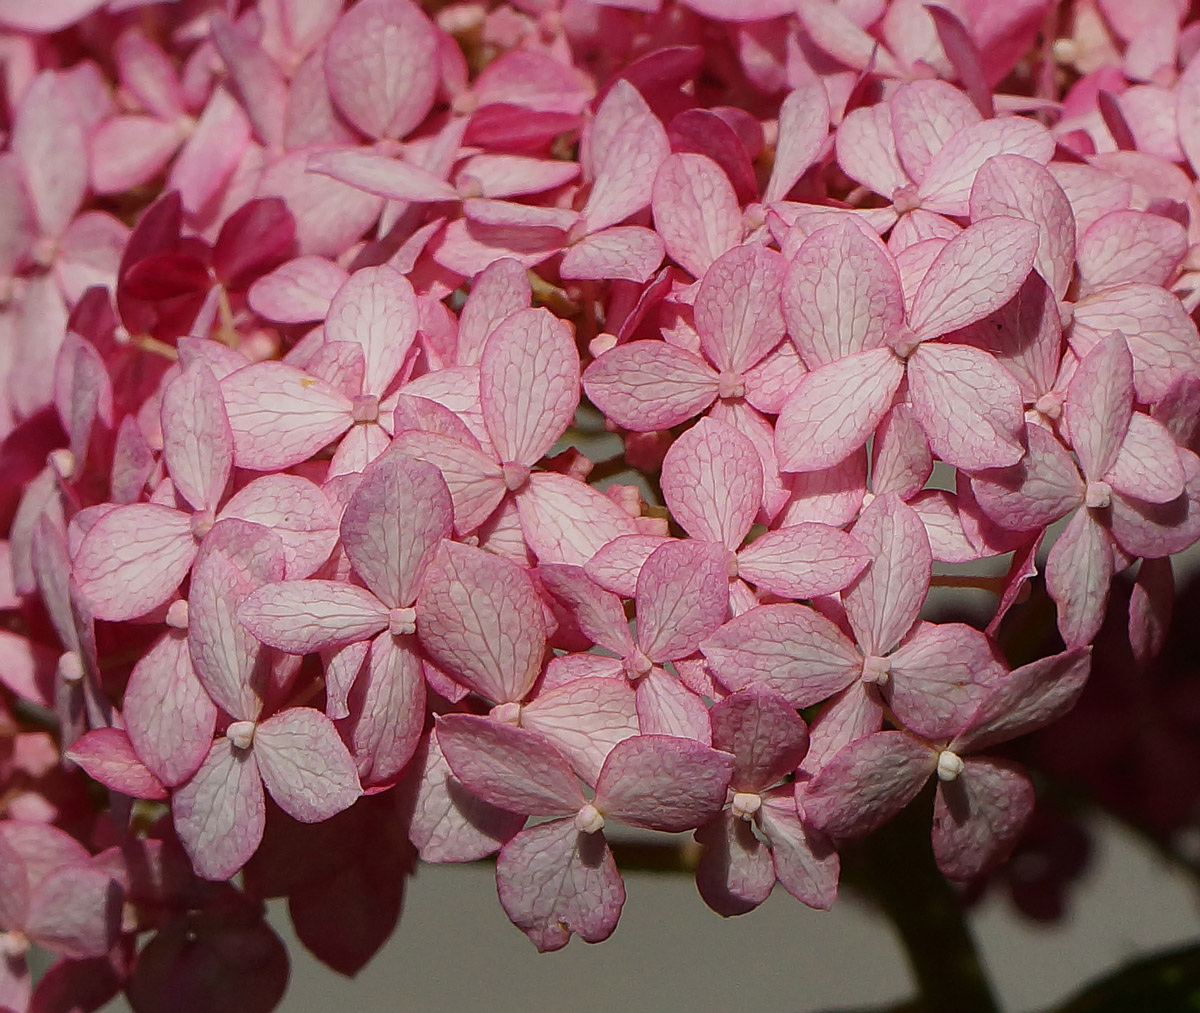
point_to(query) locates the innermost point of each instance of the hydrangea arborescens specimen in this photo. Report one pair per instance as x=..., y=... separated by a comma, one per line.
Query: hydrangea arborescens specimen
x=297, y=534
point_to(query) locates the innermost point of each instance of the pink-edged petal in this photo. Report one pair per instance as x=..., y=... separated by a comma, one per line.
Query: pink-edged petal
x=379, y=174
x=1019, y=187
x=648, y=385
x=1036, y=491
x=1152, y=529
x=197, y=439
x=616, y=566
x=221, y=812
x=939, y=676
x=791, y=650
x=841, y=295
x=975, y=274
x=281, y=415
x=1078, y=572
x=665, y=706
x=946, y=186
x=554, y=880
x=298, y=291
x=382, y=67
x=377, y=309
x=599, y=613
x=968, y=404
x=528, y=384
x=803, y=128
x=133, y=558
x=900, y=458
x=887, y=597
x=301, y=616
x=449, y=823
x=661, y=782
x=1161, y=336
x=830, y=496
x=395, y=519
x=627, y=253
x=806, y=864
x=682, y=596
x=978, y=816
x=1130, y=246
x=75, y=912
x=834, y=409
x=925, y=115
x=501, y=289
x=509, y=767
x=387, y=706
x=474, y=479
x=1147, y=465
x=737, y=308
x=712, y=482
x=802, y=561
x=297, y=512
x=564, y=520
x=1031, y=697
x=1099, y=405
x=867, y=783
x=766, y=736
x=48, y=139
x=695, y=211
x=107, y=756
x=735, y=872
x=304, y=765
x=479, y=618
x=584, y=718
x=628, y=144
x=169, y=716
x=866, y=149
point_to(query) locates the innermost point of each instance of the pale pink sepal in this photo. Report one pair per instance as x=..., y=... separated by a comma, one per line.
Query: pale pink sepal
x=1036, y=491
x=382, y=67
x=197, y=439
x=450, y=824
x=133, y=558
x=584, y=718
x=835, y=408
x=695, y=211
x=599, y=613
x=298, y=291
x=968, y=404
x=297, y=512
x=221, y=812
x=48, y=139
x=376, y=308
x=1079, y=570
x=842, y=294
x=661, y=782
x=554, y=880
x=790, y=650
x=682, y=595
x=867, y=783
x=475, y=480
x=479, y=618
x=502, y=288
x=803, y=128
x=616, y=566
x=169, y=717
x=393, y=178
x=737, y=309
x=647, y=385
x=1099, y=405
x=1147, y=466
x=387, y=705
x=978, y=816
x=301, y=616
x=393, y=523
x=107, y=756
x=806, y=864
x=712, y=481
x=528, y=384
x=509, y=767
x=304, y=765
x=766, y=736
x=802, y=561
x=627, y=253
x=665, y=706
x=735, y=872
x=886, y=598
x=1130, y=246
x=281, y=415
x=975, y=274
x=565, y=520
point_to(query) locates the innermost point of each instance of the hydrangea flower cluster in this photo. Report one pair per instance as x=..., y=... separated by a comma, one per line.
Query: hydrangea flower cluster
x=304, y=309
